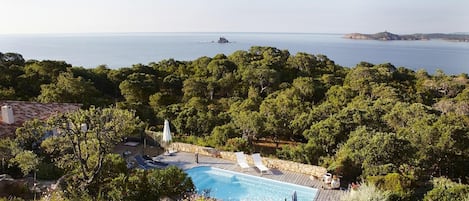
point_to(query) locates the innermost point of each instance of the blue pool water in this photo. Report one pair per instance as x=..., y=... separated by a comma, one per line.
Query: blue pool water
x=228, y=185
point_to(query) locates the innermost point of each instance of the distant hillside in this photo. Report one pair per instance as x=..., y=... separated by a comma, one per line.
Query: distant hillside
x=384, y=36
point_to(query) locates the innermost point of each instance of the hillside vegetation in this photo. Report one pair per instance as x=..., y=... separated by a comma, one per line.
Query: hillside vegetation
x=376, y=122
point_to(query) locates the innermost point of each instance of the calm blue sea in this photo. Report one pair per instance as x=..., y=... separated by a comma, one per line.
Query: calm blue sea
x=124, y=49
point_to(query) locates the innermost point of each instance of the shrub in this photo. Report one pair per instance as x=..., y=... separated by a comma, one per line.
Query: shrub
x=220, y=135
x=200, y=141
x=48, y=171
x=303, y=153
x=113, y=166
x=446, y=190
x=237, y=144
x=379, y=169
x=55, y=196
x=345, y=166
x=171, y=181
x=395, y=183
x=150, y=185
x=367, y=192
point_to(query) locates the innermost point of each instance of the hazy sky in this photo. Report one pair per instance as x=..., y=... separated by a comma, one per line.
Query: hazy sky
x=314, y=16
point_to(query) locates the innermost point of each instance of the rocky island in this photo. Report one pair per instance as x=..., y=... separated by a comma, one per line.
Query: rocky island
x=223, y=40
x=385, y=36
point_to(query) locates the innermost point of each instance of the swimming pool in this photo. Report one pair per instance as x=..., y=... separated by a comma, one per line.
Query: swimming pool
x=229, y=185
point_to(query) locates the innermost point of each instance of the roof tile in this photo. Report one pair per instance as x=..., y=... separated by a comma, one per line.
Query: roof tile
x=24, y=111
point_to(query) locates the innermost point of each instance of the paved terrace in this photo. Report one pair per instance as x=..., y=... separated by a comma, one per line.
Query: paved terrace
x=186, y=160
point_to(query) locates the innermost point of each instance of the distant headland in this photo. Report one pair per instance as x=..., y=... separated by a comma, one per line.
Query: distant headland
x=385, y=36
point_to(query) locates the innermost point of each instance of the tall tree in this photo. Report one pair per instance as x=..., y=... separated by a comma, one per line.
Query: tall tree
x=85, y=137
x=138, y=87
x=250, y=123
x=279, y=110
x=69, y=89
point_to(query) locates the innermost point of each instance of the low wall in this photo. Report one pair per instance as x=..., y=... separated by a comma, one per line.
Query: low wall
x=269, y=162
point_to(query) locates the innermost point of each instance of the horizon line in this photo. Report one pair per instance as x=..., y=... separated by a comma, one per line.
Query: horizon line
x=207, y=32
x=159, y=32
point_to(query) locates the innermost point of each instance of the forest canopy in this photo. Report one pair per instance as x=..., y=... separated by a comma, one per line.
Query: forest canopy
x=367, y=121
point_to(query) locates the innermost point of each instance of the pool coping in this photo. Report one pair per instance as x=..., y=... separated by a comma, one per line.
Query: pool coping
x=186, y=160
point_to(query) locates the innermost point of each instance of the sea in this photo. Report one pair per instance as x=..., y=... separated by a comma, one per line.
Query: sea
x=117, y=50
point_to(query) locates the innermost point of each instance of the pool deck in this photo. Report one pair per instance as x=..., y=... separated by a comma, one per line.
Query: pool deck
x=186, y=160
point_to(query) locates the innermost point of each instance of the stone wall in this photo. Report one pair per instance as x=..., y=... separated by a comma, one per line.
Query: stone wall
x=208, y=151
x=269, y=162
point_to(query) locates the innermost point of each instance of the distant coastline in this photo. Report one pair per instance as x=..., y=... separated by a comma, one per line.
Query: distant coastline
x=387, y=36
x=91, y=50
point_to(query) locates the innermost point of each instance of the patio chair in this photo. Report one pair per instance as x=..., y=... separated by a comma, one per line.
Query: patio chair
x=241, y=158
x=258, y=162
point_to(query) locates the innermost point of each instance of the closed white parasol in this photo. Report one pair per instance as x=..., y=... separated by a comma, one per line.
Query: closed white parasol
x=166, y=132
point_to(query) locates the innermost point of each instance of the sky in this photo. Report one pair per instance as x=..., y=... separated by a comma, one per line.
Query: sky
x=299, y=16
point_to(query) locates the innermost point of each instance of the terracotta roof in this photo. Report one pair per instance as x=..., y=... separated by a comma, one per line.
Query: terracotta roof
x=24, y=111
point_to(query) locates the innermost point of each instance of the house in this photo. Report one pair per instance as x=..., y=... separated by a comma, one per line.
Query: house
x=15, y=113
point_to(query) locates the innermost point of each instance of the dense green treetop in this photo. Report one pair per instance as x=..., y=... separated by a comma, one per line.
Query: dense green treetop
x=367, y=118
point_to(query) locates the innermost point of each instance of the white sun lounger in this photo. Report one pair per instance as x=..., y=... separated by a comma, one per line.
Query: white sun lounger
x=241, y=158
x=258, y=162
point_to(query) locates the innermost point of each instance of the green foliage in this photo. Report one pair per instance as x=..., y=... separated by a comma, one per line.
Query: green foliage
x=48, y=171
x=250, y=123
x=138, y=86
x=159, y=101
x=339, y=96
x=306, y=88
x=7, y=93
x=278, y=110
x=37, y=73
x=69, y=89
x=308, y=153
x=150, y=185
x=367, y=192
x=446, y=190
x=192, y=139
x=8, y=148
x=30, y=135
x=55, y=196
x=82, y=152
x=373, y=152
x=395, y=183
x=171, y=181
x=304, y=63
x=237, y=144
x=195, y=121
x=220, y=135
x=14, y=156
x=360, y=79
x=27, y=161
x=413, y=119
x=112, y=167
